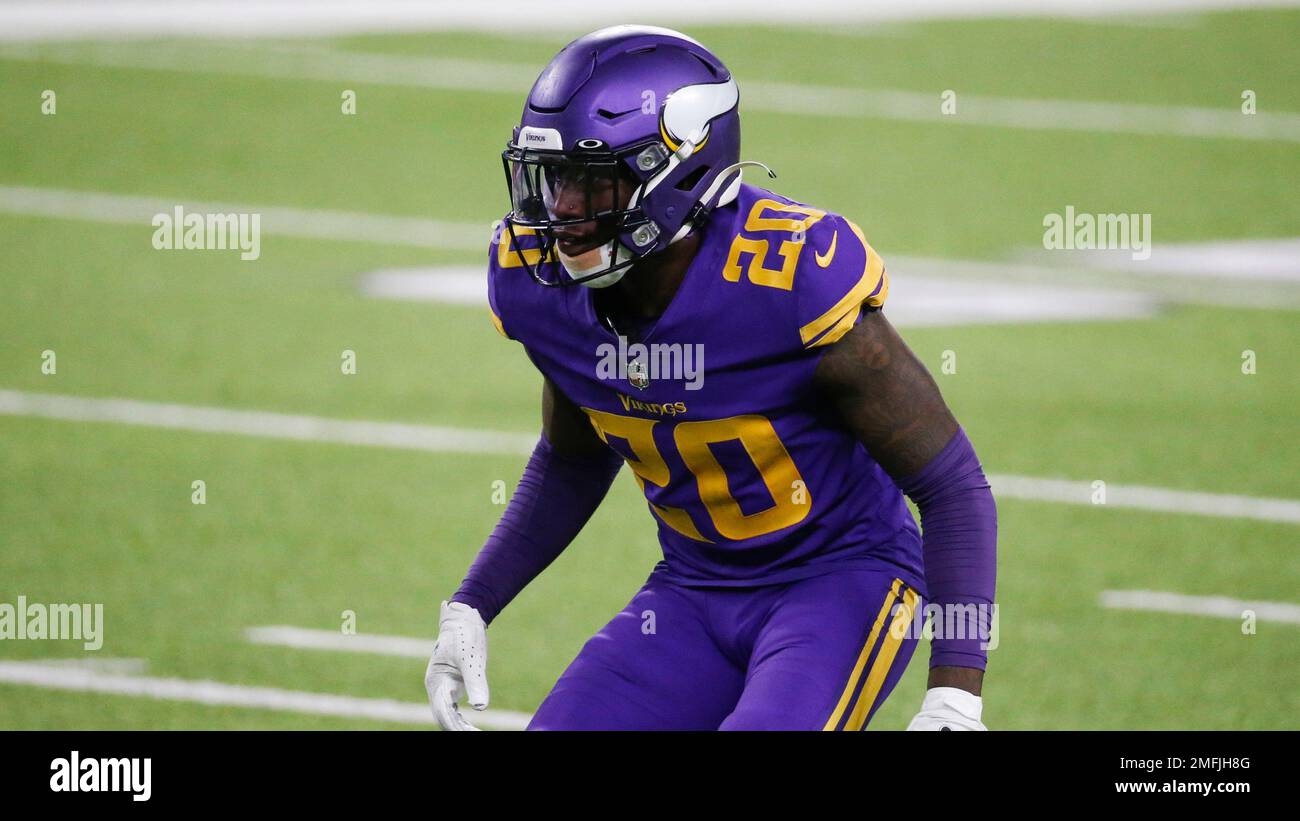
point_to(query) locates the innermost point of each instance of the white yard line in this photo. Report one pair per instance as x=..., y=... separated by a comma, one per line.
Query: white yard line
x=444, y=284
x=264, y=424
x=333, y=65
x=293, y=61
x=213, y=693
x=924, y=301
x=1154, y=499
x=70, y=19
x=1260, y=260
x=126, y=209
x=916, y=301
x=1034, y=114
x=99, y=664
x=465, y=440
x=1216, y=606
x=1256, y=281
x=306, y=639
x=1120, y=293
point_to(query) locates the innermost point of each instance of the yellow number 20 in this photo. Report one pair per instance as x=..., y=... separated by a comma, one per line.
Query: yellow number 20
x=757, y=436
x=757, y=272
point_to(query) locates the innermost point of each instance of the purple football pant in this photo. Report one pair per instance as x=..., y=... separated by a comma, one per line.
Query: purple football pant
x=813, y=654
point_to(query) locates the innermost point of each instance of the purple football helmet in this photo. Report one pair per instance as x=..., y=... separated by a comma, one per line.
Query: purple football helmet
x=629, y=138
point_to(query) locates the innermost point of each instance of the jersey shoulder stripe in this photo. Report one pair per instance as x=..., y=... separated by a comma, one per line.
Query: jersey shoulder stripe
x=508, y=251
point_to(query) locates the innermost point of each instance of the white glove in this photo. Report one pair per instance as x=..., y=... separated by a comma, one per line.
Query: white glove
x=949, y=708
x=458, y=666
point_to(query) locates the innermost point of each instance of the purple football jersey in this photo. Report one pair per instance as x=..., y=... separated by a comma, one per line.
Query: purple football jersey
x=750, y=477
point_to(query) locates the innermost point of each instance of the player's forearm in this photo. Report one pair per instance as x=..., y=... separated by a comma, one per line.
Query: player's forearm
x=556, y=496
x=959, y=543
x=969, y=679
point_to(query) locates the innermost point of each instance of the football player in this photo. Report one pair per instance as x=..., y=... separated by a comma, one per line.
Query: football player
x=793, y=573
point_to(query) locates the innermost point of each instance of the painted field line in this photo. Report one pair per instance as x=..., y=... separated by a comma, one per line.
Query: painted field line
x=264, y=424
x=467, y=440
x=306, y=639
x=468, y=284
x=1141, y=497
x=1215, y=606
x=125, y=209
x=1269, y=260
x=918, y=301
x=1026, y=113
x=99, y=664
x=217, y=694
x=486, y=76
x=82, y=19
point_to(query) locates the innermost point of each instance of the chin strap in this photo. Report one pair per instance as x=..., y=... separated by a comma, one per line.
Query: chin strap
x=606, y=256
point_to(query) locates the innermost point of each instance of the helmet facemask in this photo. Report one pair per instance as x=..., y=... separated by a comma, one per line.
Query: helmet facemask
x=578, y=205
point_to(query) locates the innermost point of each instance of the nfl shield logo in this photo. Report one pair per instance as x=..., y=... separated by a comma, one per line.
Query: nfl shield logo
x=638, y=374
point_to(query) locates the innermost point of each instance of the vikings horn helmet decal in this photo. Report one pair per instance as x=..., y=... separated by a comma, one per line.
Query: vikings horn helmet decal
x=628, y=139
x=687, y=112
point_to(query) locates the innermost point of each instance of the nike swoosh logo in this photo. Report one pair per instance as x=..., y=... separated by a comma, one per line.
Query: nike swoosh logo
x=825, y=260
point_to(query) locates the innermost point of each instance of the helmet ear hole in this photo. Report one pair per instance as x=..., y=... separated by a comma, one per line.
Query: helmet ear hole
x=691, y=180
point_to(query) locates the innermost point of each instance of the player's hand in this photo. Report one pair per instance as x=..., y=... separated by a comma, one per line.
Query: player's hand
x=458, y=666
x=949, y=708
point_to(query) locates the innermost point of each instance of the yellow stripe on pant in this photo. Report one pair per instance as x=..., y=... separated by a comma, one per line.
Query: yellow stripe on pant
x=856, y=675
x=884, y=660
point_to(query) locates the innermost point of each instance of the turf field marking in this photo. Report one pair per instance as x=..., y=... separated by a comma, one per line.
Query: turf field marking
x=140, y=18
x=918, y=301
x=466, y=440
x=319, y=63
x=294, y=222
x=1033, y=114
x=1141, y=497
x=1256, y=279
x=214, y=693
x=1216, y=606
x=264, y=424
x=467, y=282
x=463, y=285
x=445, y=284
x=118, y=666
x=307, y=639
x=1275, y=260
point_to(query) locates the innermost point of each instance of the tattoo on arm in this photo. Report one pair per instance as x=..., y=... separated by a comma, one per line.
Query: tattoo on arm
x=888, y=399
x=884, y=394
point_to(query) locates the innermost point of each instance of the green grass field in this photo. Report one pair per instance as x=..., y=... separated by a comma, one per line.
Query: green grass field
x=295, y=533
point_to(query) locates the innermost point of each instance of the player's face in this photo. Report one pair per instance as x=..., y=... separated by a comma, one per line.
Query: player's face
x=588, y=194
